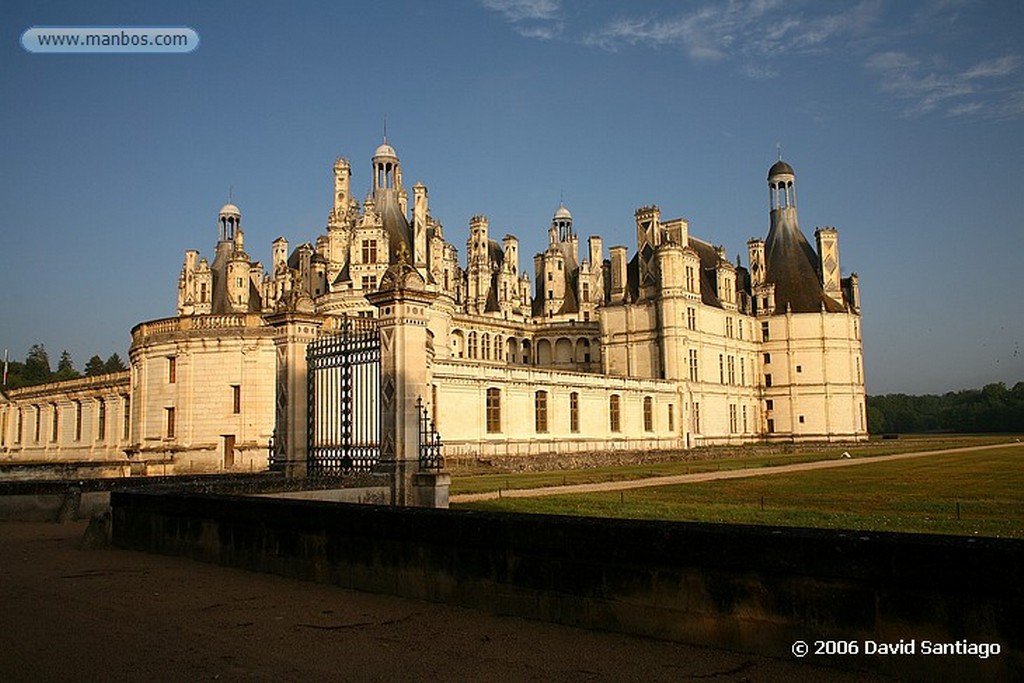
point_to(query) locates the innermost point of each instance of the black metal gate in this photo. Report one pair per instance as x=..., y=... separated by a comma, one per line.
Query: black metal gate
x=344, y=399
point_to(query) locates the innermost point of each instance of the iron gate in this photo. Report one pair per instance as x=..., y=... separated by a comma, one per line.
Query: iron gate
x=344, y=399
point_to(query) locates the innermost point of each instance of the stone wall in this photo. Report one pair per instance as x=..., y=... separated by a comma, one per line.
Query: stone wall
x=754, y=589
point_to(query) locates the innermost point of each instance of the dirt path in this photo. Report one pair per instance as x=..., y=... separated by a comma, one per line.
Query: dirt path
x=114, y=615
x=712, y=476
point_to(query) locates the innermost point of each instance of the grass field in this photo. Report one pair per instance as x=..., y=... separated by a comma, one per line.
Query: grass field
x=985, y=488
x=709, y=460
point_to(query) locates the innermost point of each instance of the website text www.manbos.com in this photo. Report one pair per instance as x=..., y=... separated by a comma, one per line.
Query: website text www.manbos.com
x=112, y=39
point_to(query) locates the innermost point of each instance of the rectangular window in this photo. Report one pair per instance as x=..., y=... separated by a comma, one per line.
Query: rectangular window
x=732, y=418
x=799, y=368
x=614, y=420
x=767, y=358
x=39, y=421
x=126, y=402
x=368, y=282
x=767, y=380
x=172, y=369
x=771, y=426
x=801, y=419
x=769, y=404
x=471, y=346
x=170, y=422
x=671, y=418
x=740, y=329
x=696, y=418
x=721, y=369
x=689, y=279
x=236, y=398
x=744, y=419
x=101, y=420
x=728, y=327
x=691, y=318
x=540, y=412
x=693, y=365
x=743, y=371
x=78, y=420
x=648, y=414
x=54, y=422
x=732, y=370
x=586, y=292
x=369, y=249
x=21, y=425
x=574, y=412
x=493, y=411
x=764, y=331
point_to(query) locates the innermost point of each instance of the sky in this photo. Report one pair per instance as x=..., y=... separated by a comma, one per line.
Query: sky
x=903, y=120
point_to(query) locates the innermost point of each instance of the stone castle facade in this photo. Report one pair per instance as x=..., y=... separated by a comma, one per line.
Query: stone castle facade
x=671, y=347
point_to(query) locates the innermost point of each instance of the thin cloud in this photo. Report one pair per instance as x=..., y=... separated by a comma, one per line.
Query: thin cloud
x=977, y=91
x=538, y=19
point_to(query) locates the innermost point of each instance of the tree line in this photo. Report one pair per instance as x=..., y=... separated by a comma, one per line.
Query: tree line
x=993, y=408
x=36, y=368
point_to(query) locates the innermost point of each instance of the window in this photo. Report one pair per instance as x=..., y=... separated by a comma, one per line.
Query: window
x=485, y=346
x=696, y=417
x=540, y=412
x=126, y=401
x=369, y=251
x=691, y=318
x=493, y=411
x=101, y=419
x=471, y=345
x=170, y=422
x=236, y=398
x=801, y=419
x=693, y=365
x=551, y=275
x=689, y=279
x=732, y=418
x=769, y=404
x=771, y=426
x=39, y=420
x=499, y=348
x=55, y=421
x=744, y=419
x=613, y=413
x=574, y=412
x=764, y=331
x=732, y=370
x=858, y=371
x=799, y=368
x=767, y=380
x=21, y=425
x=648, y=414
x=368, y=282
x=721, y=369
x=767, y=358
x=172, y=369
x=202, y=293
x=740, y=329
x=743, y=371
x=586, y=292
x=671, y=418
x=728, y=327
x=78, y=420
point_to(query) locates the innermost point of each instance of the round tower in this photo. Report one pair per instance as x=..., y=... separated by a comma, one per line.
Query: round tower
x=229, y=220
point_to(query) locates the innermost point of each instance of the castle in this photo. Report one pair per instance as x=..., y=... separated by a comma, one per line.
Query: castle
x=673, y=347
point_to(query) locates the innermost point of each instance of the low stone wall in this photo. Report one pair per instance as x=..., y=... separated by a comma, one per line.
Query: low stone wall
x=755, y=589
x=66, y=500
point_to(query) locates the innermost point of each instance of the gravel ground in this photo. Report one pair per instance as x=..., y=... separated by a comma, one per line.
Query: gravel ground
x=69, y=614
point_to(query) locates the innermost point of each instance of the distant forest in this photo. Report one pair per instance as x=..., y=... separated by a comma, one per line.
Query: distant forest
x=36, y=368
x=993, y=408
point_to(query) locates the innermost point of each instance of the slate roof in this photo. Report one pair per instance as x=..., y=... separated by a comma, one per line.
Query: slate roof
x=792, y=266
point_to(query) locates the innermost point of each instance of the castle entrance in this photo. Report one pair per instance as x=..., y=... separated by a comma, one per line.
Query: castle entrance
x=344, y=409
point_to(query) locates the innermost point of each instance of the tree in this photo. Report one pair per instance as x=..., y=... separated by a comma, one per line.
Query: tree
x=94, y=367
x=65, y=367
x=114, y=364
x=37, y=366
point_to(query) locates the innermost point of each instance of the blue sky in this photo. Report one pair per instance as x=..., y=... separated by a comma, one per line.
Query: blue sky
x=904, y=122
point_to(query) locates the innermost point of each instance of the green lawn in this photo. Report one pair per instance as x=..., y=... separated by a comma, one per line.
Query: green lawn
x=920, y=495
x=708, y=460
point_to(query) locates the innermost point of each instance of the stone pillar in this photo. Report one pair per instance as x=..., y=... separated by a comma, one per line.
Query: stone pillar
x=295, y=330
x=403, y=306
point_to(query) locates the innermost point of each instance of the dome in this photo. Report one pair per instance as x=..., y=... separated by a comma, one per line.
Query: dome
x=780, y=167
x=385, y=150
x=562, y=213
x=230, y=210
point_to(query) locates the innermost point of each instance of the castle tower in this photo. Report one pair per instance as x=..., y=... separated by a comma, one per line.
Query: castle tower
x=229, y=220
x=648, y=239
